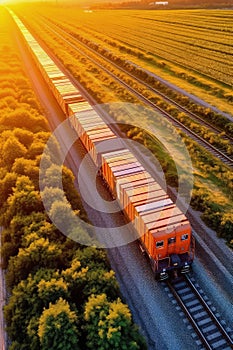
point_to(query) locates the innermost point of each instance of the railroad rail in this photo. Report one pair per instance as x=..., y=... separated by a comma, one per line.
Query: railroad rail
x=202, y=73
x=210, y=331
x=221, y=348
x=219, y=153
x=194, y=116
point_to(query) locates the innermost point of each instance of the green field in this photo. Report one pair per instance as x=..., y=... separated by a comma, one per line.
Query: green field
x=190, y=48
x=111, y=33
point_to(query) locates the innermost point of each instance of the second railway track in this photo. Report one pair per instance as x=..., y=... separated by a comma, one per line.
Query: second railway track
x=217, y=152
x=214, y=338
x=203, y=317
x=194, y=116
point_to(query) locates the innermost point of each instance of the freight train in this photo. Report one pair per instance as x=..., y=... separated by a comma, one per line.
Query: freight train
x=164, y=231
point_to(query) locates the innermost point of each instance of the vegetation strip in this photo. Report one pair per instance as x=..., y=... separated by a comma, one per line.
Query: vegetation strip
x=210, y=175
x=59, y=290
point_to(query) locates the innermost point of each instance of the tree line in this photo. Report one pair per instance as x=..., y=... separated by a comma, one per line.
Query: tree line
x=62, y=295
x=217, y=213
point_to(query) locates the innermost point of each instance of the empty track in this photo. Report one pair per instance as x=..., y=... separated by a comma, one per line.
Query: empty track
x=217, y=152
x=210, y=331
x=180, y=107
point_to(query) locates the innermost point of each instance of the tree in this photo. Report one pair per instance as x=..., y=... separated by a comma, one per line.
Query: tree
x=51, y=195
x=109, y=325
x=24, y=200
x=11, y=150
x=24, y=303
x=20, y=226
x=40, y=253
x=85, y=281
x=63, y=216
x=93, y=258
x=226, y=226
x=36, y=148
x=53, y=176
x=43, y=229
x=58, y=327
x=25, y=119
x=50, y=291
x=72, y=194
x=24, y=136
x=6, y=186
x=28, y=168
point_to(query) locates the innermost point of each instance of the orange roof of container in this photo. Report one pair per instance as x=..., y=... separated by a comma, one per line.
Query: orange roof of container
x=138, y=169
x=117, y=153
x=150, y=187
x=126, y=166
x=167, y=223
x=160, y=203
x=129, y=179
x=172, y=228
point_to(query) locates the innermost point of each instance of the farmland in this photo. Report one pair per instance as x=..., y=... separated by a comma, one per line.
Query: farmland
x=34, y=252
x=79, y=44
x=111, y=56
x=197, y=41
x=193, y=49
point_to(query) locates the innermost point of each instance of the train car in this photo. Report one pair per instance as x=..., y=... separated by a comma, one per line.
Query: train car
x=63, y=89
x=77, y=107
x=91, y=130
x=163, y=230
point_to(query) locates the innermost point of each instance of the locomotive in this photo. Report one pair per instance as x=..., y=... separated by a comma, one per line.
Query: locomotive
x=164, y=232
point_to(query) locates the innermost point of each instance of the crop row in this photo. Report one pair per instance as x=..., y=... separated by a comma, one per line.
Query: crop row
x=206, y=164
x=120, y=49
x=209, y=40
x=175, y=53
x=92, y=26
x=57, y=288
x=136, y=37
x=220, y=121
x=202, y=20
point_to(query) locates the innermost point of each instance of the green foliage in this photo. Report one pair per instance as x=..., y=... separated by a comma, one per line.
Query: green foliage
x=85, y=280
x=11, y=150
x=53, y=177
x=109, y=325
x=24, y=200
x=25, y=119
x=93, y=258
x=62, y=215
x=52, y=290
x=40, y=253
x=6, y=186
x=28, y=168
x=72, y=194
x=19, y=226
x=24, y=304
x=58, y=327
x=52, y=195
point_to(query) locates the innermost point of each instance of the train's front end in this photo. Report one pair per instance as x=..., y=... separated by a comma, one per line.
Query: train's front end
x=173, y=247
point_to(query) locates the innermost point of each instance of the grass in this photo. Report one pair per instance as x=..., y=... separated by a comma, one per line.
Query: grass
x=211, y=177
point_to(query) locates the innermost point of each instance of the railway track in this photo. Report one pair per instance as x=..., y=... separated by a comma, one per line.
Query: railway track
x=219, y=153
x=221, y=344
x=144, y=47
x=177, y=62
x=211, y=332
x=181, y=108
